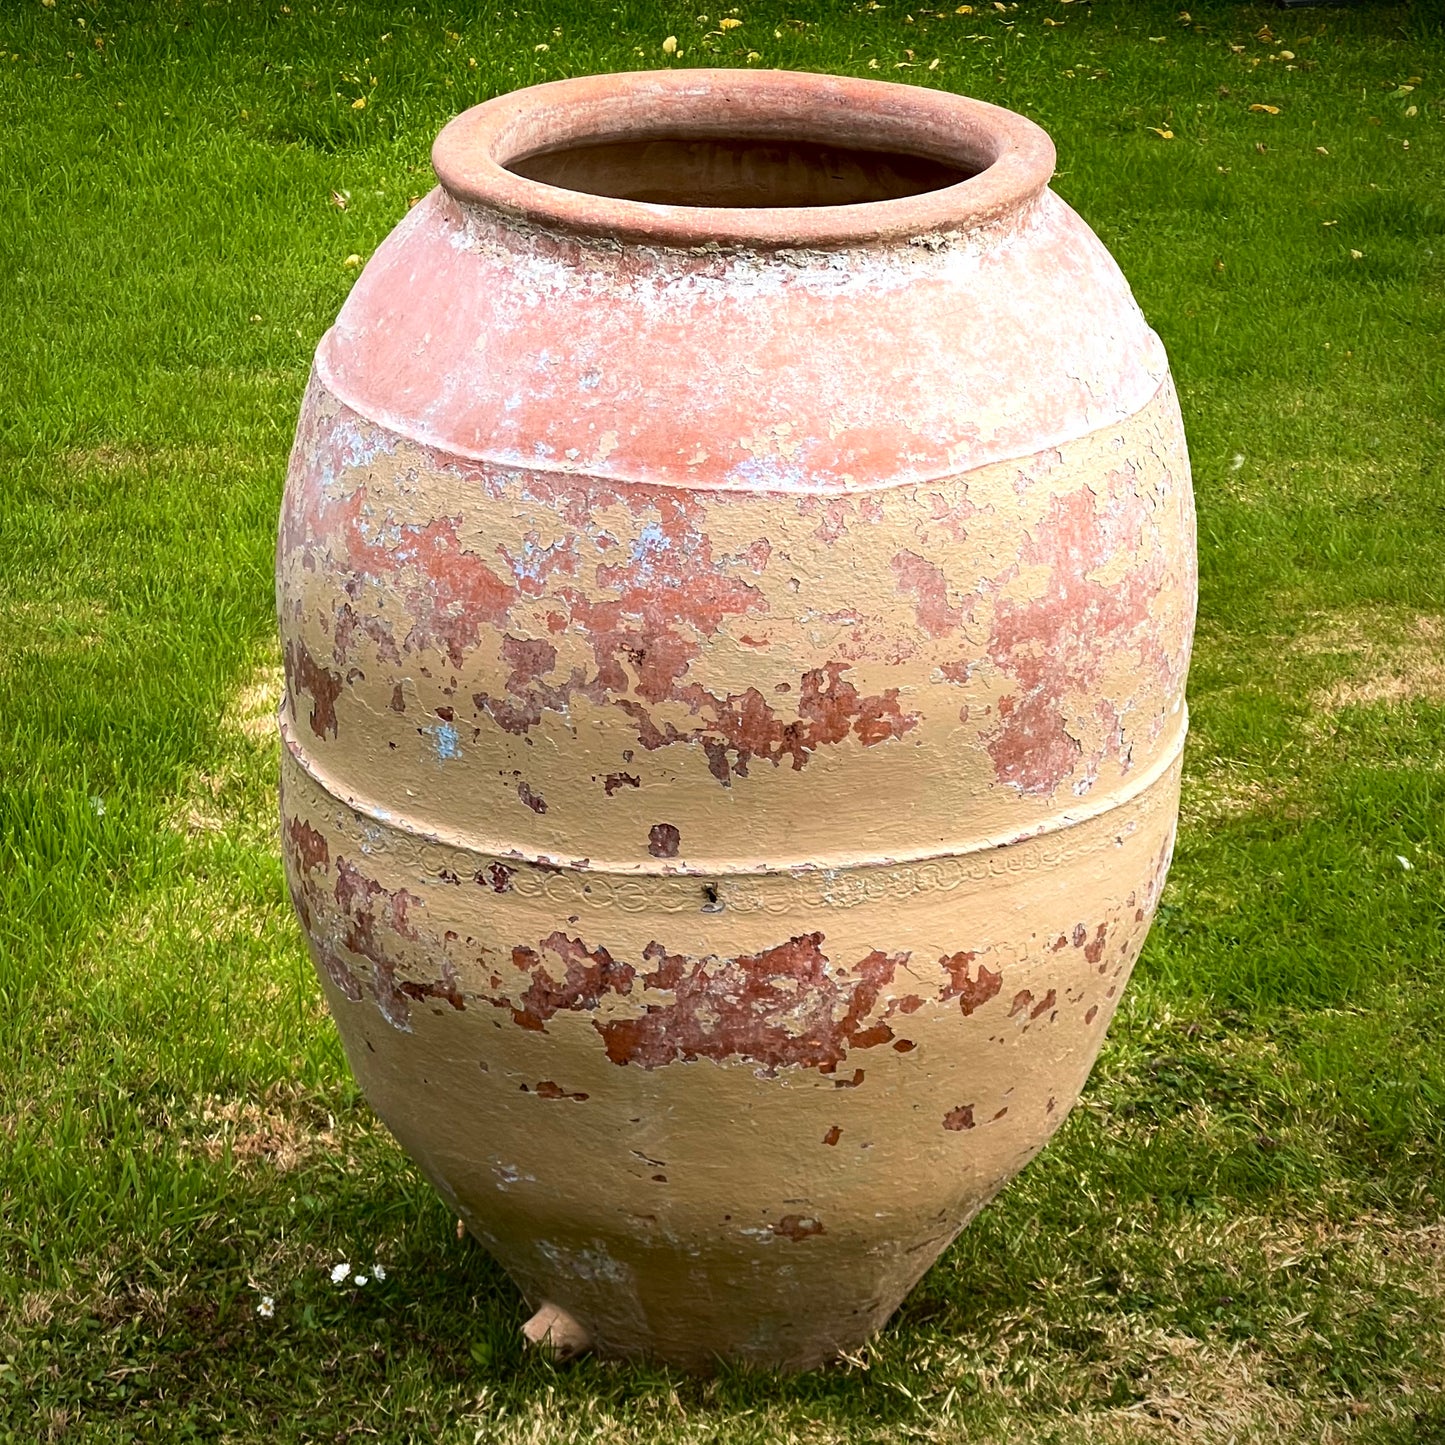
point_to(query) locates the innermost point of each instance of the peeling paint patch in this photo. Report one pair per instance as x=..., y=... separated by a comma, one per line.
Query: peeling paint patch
x=959, y=1118
x=509, y=1174
x=1031, y=747
x=308, y=847
x=548, y=1089
x=447, y=591
x=953, y=515
x=365, y=907
x=588, y=976
x=1054, y=645
x=444, y=736
x=663, y=840
x=797, y=1227
x=496, y=876
x=338, y=971
x=305, y=674
x=925, y=581
x=786, y=1006
x=971, y=992
x=730, y=729
x=590, y=1264
x=348, y=622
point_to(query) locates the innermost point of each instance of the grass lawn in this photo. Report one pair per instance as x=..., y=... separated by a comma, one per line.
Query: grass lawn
x=1238, y=1236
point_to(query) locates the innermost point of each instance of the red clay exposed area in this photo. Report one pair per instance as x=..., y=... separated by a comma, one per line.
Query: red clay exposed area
x=307, y=845
x=305, y=675
x=1056, y=645
x=970, y=991
x=926, y=582
x=588, y=975
x=668, y=596
x=797, y=1227
x=786, y=1006
x=366, y=919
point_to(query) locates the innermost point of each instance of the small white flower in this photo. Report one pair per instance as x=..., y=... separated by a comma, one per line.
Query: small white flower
x=1236, y=461
x=378, y=1273
x=267, y=1307
x=1404, y=862
x=358, y=1279
x=340, y=1272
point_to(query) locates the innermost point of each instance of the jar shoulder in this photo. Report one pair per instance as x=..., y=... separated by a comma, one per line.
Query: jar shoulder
x=784, y=371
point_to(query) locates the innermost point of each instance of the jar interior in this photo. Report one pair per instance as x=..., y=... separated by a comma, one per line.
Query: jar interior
x=737, y=172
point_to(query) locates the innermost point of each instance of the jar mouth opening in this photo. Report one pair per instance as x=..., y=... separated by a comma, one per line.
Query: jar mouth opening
x=736, y=172
x=743, y=158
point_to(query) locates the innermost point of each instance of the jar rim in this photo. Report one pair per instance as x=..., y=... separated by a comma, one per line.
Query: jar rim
x=1009, y=158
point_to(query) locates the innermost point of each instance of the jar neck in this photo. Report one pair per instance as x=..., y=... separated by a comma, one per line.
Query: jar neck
x=701, y=161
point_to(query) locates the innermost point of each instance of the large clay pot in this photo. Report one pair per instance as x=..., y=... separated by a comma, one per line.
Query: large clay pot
x=736, y=579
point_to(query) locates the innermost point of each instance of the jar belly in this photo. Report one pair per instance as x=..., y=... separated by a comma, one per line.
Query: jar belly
x=782, y=1092
x=629, y=673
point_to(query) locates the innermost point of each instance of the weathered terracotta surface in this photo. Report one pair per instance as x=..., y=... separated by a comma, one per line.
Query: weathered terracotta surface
x=736, y=667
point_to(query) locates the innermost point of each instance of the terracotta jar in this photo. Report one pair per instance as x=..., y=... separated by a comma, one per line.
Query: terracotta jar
x=736, y=579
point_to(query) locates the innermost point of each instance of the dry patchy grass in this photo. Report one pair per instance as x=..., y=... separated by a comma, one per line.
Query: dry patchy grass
x=281, y=1131
x=1389, y=658
x=234, y=796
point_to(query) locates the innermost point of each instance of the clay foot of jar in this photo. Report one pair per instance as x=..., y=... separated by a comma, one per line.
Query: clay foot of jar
x=554, y=1330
